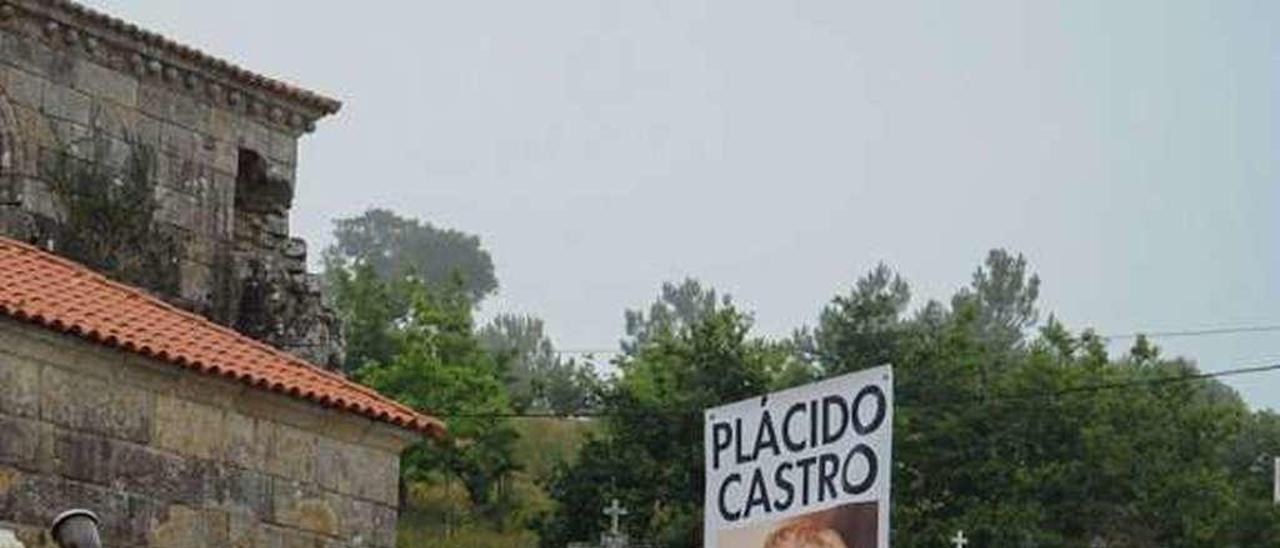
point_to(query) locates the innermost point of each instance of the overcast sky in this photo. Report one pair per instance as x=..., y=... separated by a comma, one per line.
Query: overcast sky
x=779, y=148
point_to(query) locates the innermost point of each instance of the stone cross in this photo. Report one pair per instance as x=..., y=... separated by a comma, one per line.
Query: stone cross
x=960, y=541
x=615, y=511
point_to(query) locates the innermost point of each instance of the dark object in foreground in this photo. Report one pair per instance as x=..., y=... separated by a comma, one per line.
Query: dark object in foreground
x=76, y=529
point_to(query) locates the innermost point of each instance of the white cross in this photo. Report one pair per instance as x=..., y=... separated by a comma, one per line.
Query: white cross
x=615, y=511
x=960, y=541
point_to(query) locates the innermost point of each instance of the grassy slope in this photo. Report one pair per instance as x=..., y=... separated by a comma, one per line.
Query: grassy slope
x=441, y=515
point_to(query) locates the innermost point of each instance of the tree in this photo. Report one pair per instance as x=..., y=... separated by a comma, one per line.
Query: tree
x=441, y=370
x=1003, y=297
x=1019, y=438
x=520, y=341
x=396, y=247
x=1041, y=439
x=678, y=306
x=650, y=455
x=372, y=311
x=538, y=378
x=861, y=329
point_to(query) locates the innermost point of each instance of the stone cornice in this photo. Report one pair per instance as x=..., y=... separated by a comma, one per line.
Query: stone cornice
x=125, y=47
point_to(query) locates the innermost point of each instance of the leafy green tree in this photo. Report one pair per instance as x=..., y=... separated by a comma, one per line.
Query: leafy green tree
x=396, y=247
x=371, y=311
x=864, y=328
x=441, y=369
x=678, y=306
x=1003, y=296
x=522, y=341
x=1018, y=437
x=1040, y=439
x=650, y=455
x=538, y=378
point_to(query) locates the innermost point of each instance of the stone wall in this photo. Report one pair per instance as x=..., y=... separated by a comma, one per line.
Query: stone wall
x=169, y=457
x=226, y=151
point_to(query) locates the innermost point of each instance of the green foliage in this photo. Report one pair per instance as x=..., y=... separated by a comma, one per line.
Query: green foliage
x=108, y=208
x=440, y=513
x=1157, y=464
x=371, y=311
x=862, y=329
x=396, y=247
x=650, y=454
x=1019, y=436
x=441, y=369
x=538, y=378
x=678, y=306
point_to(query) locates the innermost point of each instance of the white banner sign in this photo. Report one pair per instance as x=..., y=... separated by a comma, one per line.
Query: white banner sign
x=805, y=467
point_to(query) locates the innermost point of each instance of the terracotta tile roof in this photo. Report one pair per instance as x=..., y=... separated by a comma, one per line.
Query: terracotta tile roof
x=44, y=289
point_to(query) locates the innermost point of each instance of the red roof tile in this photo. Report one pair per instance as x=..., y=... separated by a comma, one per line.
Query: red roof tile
x=44, y=289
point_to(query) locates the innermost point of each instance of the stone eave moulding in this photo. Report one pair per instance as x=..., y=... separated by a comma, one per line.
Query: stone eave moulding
x=67, y=26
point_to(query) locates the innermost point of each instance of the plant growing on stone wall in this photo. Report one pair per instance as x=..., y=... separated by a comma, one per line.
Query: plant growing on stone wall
x=107, y=206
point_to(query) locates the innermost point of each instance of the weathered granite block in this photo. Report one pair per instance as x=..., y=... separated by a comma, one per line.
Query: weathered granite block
x=248, y=491
x=148, y=131
x=303, y=506
x=74, y=137
x=283, y=148
x=284, y=537
x=83, y=457
x=244, y=531
x=19, y=442
x=24, y=88
x=336, y=463
x=34, y=498
x=189, y=428
x=133, y=526
x=176, y=207
x=105, y=83
x=24, y=53
x=291, y=453
x=19, y=386
x=114, y=151
x=189, y=113
x=67, y=104
x=96, y=406
x=61, y=69
x=383, y=526
x=179, y=141
x=191, y=526
x=247, y=442
x=114, y=120
x=155, y=100
x=364, y=523
x=377, y=478
x=164, y=477
x=224, y=126
x=255, y=136
x=225, y=158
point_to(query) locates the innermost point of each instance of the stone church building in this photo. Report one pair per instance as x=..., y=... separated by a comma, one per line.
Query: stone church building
x=177, y=382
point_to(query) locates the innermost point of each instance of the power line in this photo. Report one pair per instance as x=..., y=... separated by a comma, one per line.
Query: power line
x=1156, y=381
x=1199, y=332
x=1086, y=389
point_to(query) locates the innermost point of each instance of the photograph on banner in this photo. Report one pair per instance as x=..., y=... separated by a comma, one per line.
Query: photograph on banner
x=806, y=467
